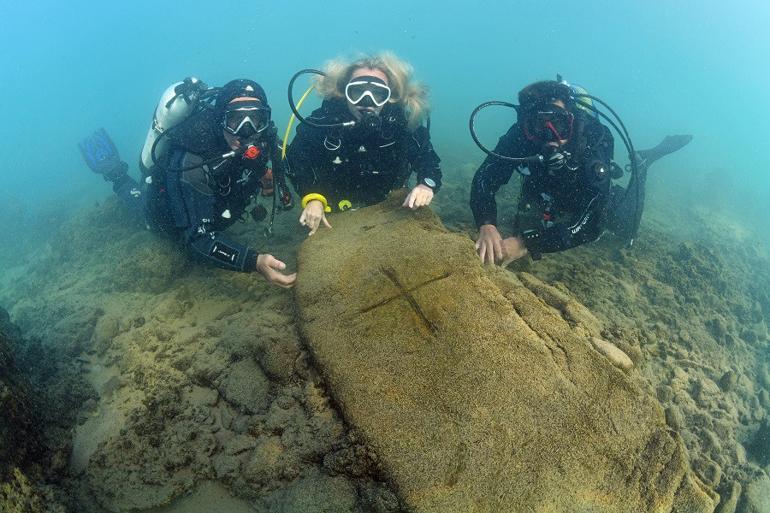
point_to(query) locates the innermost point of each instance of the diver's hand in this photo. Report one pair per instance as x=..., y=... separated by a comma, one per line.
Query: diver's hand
x=270, y=267
x=513, y=249
x=556, y=161
x=313, y=215
x=489, y=245
x=420, y=196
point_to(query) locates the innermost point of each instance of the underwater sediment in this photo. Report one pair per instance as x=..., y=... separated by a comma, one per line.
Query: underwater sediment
x=194, y=384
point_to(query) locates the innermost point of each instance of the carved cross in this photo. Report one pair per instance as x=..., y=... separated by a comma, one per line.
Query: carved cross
x=406, y=294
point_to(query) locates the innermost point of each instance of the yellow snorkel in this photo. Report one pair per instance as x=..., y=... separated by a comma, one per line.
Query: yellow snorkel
x=291, y=122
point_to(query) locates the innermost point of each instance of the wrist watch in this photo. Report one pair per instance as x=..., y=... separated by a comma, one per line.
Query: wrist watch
x=429, y=182
x=532, y=243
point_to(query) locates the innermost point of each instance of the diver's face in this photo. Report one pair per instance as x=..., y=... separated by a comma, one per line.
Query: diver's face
x=232, y=141
x=359, y=109
x=244, y=120
x=561, y=142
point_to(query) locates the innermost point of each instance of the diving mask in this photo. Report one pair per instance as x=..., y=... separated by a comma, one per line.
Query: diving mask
x=246, y=118
x=374, y=89
x=550, y=123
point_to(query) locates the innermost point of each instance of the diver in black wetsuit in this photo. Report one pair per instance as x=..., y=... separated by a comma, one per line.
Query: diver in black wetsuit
x=364, y=141
x=567, y=196
x=214, y=164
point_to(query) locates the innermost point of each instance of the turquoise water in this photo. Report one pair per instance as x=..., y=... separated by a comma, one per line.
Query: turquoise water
x=68, y=68
x=666, y=68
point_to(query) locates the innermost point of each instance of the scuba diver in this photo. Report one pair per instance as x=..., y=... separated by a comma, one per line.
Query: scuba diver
x=365, y=140
x=204, y=161
x=565, y=155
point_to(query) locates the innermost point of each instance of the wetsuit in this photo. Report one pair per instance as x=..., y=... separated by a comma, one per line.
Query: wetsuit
x=358, y=166
x=195, y=206
x=558, y=208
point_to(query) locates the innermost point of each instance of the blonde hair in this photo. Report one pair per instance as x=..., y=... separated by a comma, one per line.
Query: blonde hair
x=411, y=95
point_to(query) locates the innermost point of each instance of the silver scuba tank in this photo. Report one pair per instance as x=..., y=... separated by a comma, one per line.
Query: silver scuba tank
x=176, y=104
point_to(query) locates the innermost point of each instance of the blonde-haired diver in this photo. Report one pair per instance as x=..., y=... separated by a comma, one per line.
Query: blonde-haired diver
x=365, y=140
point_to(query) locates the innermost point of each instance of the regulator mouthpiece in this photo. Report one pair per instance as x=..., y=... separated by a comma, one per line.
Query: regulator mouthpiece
x=251, y=152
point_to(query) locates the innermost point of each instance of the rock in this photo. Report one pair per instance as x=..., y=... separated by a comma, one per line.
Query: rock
x=226, y=415
x=617, y=357
x=674, y=417
x=759, y=446
x=106, y=329
x=203, y=396
x=634, y=352
x=756, y=498
x=471, y=384
x=278, y=359
x=711, y=473
x=664, y=393
x=246, y=387
x=706, y=392
x=225, y=466
x=764, y=398
x=268, y=462
x=21, y=495
x=572, y=310
x=711, y=441
x=379, y=500
x=764, y=375
x=317, y=493
x=717, y=327
x=239, y=444
x=757, y=411
x=728, y=381
x=749, y=336
x=729, y=501
x=740, y=454
x=20, y=435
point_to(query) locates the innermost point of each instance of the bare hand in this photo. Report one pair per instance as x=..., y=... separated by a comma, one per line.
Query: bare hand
x=420, y=196
x=313, y=215
x=513, y=249
x=489, y=244
x=270, y=267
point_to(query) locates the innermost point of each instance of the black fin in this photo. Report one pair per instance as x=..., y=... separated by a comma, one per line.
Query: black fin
x=669, y=144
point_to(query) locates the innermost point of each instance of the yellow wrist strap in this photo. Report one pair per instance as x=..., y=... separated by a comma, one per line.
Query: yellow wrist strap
x=315, y=196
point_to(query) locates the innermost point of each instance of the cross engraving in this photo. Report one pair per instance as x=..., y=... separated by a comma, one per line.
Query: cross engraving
x=406, y=294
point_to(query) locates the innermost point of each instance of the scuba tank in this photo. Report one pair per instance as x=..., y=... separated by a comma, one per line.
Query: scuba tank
x=176, y=104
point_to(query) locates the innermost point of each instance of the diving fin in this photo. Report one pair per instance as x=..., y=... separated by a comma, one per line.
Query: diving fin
x=101, y=155
x=669, y=144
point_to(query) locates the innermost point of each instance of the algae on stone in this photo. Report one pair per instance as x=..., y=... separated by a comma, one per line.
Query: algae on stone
x=476, y=394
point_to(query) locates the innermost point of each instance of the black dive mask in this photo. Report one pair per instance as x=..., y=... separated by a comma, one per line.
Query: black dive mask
x=548, y=123
x=246, y=119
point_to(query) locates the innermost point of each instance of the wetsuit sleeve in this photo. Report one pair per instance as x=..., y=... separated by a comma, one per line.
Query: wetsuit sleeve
x=490, y=176
x=216, y=249
x=193, y=212
x=423, y=158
